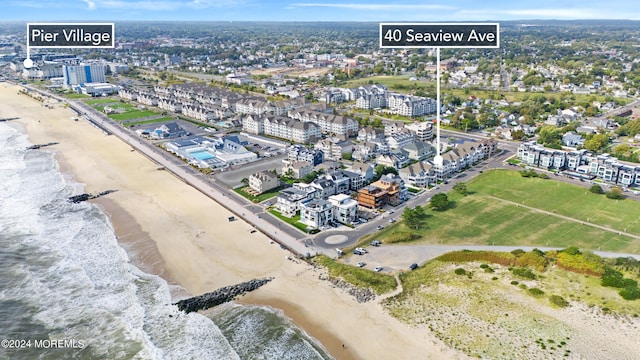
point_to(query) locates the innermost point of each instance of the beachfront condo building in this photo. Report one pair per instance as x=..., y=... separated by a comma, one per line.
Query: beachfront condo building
x=82, y=74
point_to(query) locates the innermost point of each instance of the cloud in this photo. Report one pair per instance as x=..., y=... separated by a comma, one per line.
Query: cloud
x=536, y=14
x=91, y=5
x=384, y=7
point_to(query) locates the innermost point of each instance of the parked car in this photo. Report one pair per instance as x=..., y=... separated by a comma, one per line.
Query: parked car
x=378, y=268
x=361, y=264
x=413, y=266
x=380, y=227
x=376, y=243
x=358, y=252
x=362, y=250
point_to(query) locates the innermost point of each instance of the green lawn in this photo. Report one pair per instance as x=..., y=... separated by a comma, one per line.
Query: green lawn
x=133, y=115
x=401, y=84
x=103, y=101
x=293, y=221
x=573, y=201
x=482, y=218
x=260, y=198
x=152, y=121
x=76, y=96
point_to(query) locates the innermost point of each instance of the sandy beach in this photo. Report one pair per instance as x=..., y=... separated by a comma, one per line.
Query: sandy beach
x=174, y=231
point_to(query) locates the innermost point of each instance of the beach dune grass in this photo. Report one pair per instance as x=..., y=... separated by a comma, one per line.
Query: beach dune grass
x=358, y=277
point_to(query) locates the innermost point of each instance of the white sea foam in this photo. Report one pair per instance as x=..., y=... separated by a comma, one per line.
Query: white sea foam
x=77, y=282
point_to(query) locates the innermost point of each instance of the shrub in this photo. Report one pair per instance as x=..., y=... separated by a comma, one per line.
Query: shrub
x=615, y=194
x=535, y=292
x=558, y=300
x=514, y=283
x=483, y=266
x=630, y=293
x=489, y=270
x=460, y=271
x=524, y=273
x=596, y=189
x=399, y=236
x=533, y=259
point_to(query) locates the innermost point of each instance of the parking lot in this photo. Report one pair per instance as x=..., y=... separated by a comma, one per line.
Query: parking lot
x=232, y=178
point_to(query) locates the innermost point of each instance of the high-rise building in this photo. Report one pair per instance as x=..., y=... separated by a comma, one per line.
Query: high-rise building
x=82, y=74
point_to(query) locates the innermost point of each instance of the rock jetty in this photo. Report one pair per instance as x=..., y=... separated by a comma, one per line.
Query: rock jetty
x=38, y=146
x=220, y=296
x=84, y=197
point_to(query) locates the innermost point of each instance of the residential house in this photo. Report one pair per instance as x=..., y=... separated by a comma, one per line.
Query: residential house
x=368, y=133
x=345, y=209
x=420, y=174
x=419, y=150
x=316, y=213
x=395, y=160
x=289, y=200
x=572, y=139
x=325, y=186
x=400, y=139
x=395, y=188
x=364, y=151
x=333, y=148
x=263, y=181
x=422, y=131
x=372, y=197
x=301, y=153
x=297, y=169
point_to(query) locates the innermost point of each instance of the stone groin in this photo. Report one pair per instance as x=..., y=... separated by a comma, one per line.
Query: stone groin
x=220, y=296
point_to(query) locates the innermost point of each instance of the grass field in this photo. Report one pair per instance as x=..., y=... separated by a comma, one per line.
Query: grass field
x=565, y=199
x=76, y=96
x=102, y=101
x=485, y=218
x=152, y=121
x=401, y=84
x=136, y=114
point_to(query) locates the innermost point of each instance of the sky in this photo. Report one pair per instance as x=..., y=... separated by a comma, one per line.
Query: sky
x=320, y=10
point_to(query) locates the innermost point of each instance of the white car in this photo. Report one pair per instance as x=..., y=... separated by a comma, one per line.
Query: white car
x=361, y=264
x=378, y=268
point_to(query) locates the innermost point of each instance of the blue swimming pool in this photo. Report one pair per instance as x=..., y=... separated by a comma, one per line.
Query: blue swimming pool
x=202, y=155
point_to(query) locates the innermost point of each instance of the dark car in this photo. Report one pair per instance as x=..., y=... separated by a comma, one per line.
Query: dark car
x=413, y=266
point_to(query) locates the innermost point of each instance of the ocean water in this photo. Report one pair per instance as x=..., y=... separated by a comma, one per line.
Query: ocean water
x=69, y=291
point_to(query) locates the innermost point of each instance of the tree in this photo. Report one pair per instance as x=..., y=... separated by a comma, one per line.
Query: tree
x=596, y=189
x=383, y=170
x=414, y=218
x=615, y=194
x=549, y=135
x=439, y=202
x=461, y=188
x=597, y=142
x=623, y=152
